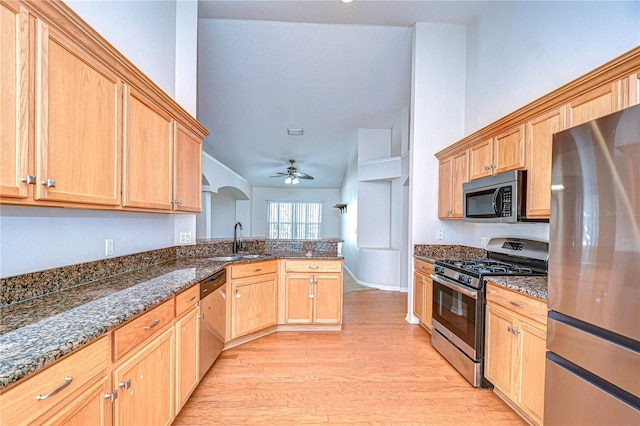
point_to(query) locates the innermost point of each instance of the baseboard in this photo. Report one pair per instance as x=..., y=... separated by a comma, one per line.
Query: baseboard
x=376, y=286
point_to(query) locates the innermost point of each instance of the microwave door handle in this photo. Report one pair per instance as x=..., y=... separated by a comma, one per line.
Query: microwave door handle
x=495, y=201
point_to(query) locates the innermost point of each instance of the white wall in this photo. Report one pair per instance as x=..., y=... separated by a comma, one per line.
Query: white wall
x=143, y=31
x=37, y=238
x=519, y=51
x=329, y=198
x=34, y=239
x=349, y=220
x=512, y=54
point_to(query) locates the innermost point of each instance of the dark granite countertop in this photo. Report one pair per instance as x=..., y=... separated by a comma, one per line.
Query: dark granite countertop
x=36, y=332
x=535, y=286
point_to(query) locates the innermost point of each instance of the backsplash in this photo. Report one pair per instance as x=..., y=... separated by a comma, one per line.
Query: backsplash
x=444, y=251
x=34, y=284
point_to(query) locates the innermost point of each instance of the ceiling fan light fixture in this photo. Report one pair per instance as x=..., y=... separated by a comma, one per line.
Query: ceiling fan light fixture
x=288, y=180
x=295, y=132
x=347, y=1
x=295, y=181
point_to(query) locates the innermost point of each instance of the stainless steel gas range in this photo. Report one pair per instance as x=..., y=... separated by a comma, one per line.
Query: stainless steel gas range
x=459, y=299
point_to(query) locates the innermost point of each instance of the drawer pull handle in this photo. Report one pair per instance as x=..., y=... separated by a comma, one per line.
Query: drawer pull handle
x=256, y=270
x=67, y=382
x=519, y=305
x=513, y=330
x=191, y=299
x=156, y=322
x=313, y=266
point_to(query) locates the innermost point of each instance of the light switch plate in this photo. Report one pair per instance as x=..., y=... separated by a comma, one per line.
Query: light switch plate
x=440, y=235
x=185, y=237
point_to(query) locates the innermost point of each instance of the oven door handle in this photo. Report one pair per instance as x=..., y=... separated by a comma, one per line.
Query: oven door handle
x=455, y=286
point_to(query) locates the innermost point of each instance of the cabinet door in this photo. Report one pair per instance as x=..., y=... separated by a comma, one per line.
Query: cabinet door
x=254, y=305
x=532, y=374
x=187, y=184
x=428, y=302
x=148, y=160
x=480, y=156
x=539, y=138
x=90, y=408
x=298, y=299
x=418, y=296
x=78, y=127
x=14, y=98
x=594, y=104
x=445, y=209
x=508, y=151
x=630, y=89
x=146, y=384
x=500, y=345
x=187, y=356
x=328, y=299
x=459, y=175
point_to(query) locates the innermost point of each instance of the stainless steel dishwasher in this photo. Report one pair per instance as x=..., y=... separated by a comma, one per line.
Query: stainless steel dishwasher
x=213, y=323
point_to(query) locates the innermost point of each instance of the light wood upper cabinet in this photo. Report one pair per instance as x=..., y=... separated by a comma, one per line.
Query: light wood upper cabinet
x=539, y=139
x=454, y=171
x=77, y=124
x=14, y=99
x=594, y=104
x=187, y=170
x=148, y=154
x=481, y=159
x=501, y=153
x=630, y=89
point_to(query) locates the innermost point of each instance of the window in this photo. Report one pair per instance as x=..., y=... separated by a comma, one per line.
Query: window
x=294, y=220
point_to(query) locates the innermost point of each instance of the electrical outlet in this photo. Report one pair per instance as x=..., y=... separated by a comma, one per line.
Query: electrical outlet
x=108, y=247
x=440, y=235
x=185, y=237
x=483, y=241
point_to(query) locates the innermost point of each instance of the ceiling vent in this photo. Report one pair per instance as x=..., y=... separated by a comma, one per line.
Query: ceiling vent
x=295, y=132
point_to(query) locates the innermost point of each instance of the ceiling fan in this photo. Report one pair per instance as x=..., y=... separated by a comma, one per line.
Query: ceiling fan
x=292, y=175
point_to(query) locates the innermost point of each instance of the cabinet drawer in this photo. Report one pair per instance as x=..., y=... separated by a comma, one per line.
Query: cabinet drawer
x=140, y=329
x=313, y=266
x=253, y=269
x=518, y=303
x=423, y=267
x=187, y=300
x=20, y=404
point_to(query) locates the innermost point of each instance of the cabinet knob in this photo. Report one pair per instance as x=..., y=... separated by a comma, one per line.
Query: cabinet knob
x=49, y=183
x=237, y=293
x=29, y=180
x=111, y=396
x=449, y=212
x=126, y=385
x=486, y=167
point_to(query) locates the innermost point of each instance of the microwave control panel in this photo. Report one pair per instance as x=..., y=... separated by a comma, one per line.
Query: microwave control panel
x=505, y=195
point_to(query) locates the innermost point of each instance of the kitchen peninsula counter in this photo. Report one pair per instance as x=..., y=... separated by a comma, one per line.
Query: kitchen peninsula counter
x=38, y=331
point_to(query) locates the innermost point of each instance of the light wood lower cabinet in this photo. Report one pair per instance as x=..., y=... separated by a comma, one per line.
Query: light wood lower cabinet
x=187, y=356
x=68, y=385
x=145, y=383
x=423, y=292
x=92, y=407
x=253, y=300
x=313, y=292
x=515, y=350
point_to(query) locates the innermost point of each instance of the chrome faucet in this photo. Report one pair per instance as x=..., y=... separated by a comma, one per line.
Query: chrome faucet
x=237, y=243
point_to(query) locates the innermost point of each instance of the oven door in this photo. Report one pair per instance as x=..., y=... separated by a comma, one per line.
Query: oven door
x=458, y=315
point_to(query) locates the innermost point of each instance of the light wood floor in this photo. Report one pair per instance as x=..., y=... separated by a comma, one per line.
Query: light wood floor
x=378, y=370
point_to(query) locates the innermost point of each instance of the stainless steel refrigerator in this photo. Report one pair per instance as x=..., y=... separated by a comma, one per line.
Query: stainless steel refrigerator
x=593, y=338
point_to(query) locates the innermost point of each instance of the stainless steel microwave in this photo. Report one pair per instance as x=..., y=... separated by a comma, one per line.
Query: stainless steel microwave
x=496, y=199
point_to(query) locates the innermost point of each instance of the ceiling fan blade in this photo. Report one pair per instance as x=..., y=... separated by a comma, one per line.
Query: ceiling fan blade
x=303, y=176
x=280, y=174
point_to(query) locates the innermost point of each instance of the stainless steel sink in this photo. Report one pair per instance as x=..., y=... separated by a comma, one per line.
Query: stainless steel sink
x=224, y=258
x=252, y=256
